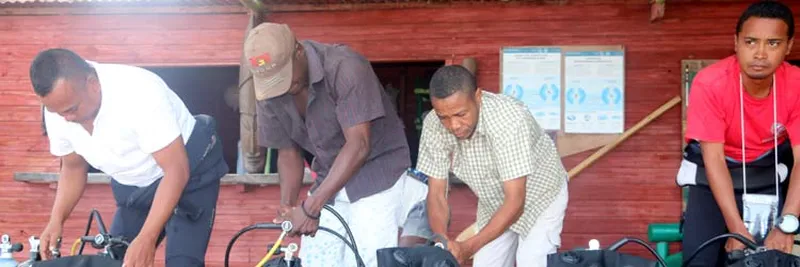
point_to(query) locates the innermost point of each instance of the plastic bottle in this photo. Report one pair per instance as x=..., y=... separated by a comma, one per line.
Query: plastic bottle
x=7, y=252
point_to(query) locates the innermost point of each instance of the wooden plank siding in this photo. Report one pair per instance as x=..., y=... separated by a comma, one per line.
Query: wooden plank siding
x=618, y=196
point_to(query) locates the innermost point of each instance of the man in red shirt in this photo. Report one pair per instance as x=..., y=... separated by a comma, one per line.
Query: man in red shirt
x=758, y=89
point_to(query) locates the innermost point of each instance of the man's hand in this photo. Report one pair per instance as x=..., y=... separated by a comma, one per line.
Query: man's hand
x=283, y=214
x=141, y=252
x=778, y=240
x=734, y=244
x=461, y=251
x=301, y=224
x=49, y=239
x=71, y=184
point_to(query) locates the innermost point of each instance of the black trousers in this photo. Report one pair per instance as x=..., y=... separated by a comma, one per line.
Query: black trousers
x=703, y=221
x=187, y=233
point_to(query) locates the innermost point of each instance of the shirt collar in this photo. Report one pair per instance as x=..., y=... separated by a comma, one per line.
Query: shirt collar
x=315, y=70
x=103, y=95
x=780, y=74
x=482, y=116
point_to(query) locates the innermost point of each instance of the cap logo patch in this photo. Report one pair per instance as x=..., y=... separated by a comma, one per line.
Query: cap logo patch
x=261, y=63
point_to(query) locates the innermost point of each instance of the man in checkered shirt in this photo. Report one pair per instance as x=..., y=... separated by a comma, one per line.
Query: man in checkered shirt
x=493, y=144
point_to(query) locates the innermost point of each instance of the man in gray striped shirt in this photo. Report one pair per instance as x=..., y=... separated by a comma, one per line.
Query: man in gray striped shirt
x=327, y=100
x=493, y=144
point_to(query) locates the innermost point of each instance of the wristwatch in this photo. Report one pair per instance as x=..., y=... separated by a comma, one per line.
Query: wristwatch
x=788, y=223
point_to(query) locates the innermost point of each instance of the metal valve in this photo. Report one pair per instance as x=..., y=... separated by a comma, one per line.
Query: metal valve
x=5, y=244
x=56, y=250
x=100, y=240
x=289, y=253
x=7, y=248
x=286, y=226
x=34, y=241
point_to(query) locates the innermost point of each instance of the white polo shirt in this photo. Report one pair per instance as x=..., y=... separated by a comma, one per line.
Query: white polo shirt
x=139, y=114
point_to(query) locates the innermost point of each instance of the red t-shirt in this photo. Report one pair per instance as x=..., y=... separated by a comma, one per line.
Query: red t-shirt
x=713, y=113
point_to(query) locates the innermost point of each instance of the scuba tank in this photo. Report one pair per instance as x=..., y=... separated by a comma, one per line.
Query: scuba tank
x=7, y=252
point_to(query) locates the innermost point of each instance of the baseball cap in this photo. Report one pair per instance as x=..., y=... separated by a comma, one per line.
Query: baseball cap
x=269, y=49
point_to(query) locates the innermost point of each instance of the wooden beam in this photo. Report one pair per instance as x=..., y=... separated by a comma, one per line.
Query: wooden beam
x=641, y=124
x=571, y=144
x=121, y=10
x=100, y=178
x=229, y=179
x=114, y=8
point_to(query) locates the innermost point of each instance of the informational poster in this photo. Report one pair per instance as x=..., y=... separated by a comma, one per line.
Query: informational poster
x=595, y=92
x=533, y=75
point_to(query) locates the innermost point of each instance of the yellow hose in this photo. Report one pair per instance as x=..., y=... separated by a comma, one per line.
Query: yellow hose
x=75, y=246
x=271, y=251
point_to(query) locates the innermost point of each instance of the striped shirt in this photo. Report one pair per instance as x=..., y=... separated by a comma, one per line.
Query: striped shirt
x=343, y=92
x=507, y=144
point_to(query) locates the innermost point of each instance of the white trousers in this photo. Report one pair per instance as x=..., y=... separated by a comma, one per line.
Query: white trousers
x=543, y=239
x=374, y=222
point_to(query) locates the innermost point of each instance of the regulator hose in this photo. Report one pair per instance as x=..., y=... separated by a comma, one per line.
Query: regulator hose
x=272, y=226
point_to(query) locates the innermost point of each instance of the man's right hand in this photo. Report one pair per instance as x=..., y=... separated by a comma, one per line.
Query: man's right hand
x=50, y=239
x=734, y=244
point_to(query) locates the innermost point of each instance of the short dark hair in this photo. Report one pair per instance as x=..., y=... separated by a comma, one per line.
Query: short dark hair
x=450, y=79
x=57, y=63
x=771, y=10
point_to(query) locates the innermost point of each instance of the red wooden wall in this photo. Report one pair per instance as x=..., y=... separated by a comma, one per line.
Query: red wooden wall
x=607, y=201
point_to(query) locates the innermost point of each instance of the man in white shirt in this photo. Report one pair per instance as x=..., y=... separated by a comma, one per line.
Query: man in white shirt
x=165, y=163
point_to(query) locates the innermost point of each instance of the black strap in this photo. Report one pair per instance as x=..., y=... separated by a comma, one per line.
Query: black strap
x=437, y=238
x=308, y=214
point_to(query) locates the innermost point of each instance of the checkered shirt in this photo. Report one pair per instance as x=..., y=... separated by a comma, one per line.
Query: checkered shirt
x=507, y=144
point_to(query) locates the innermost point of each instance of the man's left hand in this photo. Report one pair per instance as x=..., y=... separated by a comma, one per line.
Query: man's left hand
x=302, y=224
x=140, y=253
x=460, y=250
x=778, y=240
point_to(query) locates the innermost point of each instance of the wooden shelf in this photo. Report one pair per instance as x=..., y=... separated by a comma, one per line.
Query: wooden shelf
x=229, y=179
x=100, y=178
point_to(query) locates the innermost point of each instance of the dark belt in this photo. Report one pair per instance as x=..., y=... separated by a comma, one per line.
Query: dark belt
x=760, y=172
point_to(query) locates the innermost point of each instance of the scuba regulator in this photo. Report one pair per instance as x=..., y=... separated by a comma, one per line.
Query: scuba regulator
x=7, y=251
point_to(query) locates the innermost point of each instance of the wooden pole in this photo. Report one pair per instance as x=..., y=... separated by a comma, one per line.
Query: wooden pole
x=607, y=148
x=472, y=229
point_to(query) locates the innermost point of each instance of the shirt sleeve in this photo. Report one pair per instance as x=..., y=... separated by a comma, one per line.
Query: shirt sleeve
x=513, y=143
x=793, y=122
x=59, y=144
x=705, y=120
x=156, y=121
x=358, y=93
x=433, y=159
x=271, y=132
